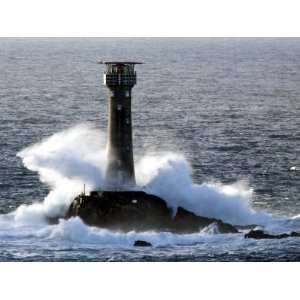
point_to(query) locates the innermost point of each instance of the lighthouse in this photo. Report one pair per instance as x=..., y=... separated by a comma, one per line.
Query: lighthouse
x=120, y=205
x=119, y=77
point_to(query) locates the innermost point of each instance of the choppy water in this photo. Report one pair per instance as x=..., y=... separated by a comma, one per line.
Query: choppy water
x=216, y=129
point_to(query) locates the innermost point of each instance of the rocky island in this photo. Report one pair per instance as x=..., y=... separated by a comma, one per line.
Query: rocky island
x=138, y=211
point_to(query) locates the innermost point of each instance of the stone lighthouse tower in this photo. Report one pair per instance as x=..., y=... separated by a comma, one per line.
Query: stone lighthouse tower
x=119, y=205
x=120, y=78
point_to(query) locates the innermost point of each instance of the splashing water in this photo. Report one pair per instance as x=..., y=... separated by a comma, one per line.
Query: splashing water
x=65, y=162
x=169, y=176
x=69, y=159
x=77, y=156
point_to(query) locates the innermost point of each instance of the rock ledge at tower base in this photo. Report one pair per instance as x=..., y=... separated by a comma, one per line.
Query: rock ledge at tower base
x=138, y=211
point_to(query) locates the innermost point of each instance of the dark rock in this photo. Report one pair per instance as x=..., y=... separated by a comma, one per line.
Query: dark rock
x=295, y=234
x=140, y=243
x=186, y=222
x=260, y=234
x=139, y=211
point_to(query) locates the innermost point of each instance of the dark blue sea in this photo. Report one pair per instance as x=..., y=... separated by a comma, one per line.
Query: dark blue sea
x=216, y=129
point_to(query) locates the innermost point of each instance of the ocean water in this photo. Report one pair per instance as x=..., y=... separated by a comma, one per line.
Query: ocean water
x=216, y=126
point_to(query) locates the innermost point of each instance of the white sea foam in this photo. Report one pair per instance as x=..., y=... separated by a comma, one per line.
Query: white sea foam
x=74, y=157
x=169, y=176
x=74, y=231
x=66, y=162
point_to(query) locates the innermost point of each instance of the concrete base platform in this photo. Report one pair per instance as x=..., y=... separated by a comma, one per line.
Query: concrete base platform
x=134, y=210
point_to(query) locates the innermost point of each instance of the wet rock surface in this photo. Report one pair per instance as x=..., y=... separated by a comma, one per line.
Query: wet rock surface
x=139, y=211
x=260, y=234
x=140, y=243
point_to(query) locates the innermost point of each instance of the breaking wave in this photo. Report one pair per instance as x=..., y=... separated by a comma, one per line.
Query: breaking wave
x=70, y=159
x=75, y=232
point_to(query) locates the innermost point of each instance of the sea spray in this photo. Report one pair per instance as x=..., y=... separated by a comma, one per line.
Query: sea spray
x=168, y=176
x=66, y=162
x=69, y=159
x=75, y=231
x=75, y=157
